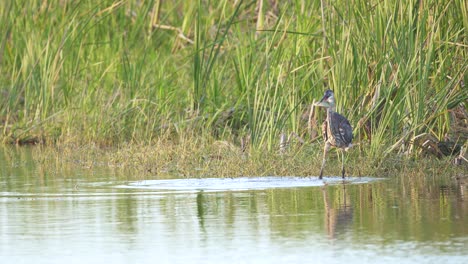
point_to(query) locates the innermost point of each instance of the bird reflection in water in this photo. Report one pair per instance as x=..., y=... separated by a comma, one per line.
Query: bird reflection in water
x=339, y=218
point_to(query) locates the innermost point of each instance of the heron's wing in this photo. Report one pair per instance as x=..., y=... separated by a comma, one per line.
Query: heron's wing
x=342, y=129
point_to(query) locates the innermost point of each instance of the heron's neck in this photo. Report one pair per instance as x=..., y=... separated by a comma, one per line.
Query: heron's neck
x=331, y=108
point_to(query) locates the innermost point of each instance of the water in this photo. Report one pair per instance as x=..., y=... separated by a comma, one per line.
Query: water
x=71, y=214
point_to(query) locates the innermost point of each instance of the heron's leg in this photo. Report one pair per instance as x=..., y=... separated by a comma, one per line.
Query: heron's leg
x=342, y=165
x=325, y=151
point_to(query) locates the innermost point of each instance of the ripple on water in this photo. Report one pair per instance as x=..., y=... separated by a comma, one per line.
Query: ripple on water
x=237, y=184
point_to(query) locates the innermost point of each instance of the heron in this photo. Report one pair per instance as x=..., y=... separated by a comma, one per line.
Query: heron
x=336, y=130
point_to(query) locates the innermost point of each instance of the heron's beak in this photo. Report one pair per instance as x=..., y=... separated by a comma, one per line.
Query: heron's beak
x=323, y=102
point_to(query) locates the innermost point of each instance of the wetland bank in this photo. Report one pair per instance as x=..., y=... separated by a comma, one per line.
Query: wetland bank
x=183, y=131
x=56, y=209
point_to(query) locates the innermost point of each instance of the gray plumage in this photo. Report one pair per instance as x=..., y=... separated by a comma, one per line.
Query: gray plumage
x=336, y=130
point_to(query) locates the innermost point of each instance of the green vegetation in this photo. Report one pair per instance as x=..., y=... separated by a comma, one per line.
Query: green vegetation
x=240, y=72
x=220, y=159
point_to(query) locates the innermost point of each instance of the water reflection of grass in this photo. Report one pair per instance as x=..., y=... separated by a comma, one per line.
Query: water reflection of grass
x=379, y=213
x=419, y=202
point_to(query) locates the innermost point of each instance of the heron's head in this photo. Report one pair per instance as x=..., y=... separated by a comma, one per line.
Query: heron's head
x=328, y=100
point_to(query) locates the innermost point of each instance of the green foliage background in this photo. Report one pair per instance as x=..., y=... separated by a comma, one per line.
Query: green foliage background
x=111, y=72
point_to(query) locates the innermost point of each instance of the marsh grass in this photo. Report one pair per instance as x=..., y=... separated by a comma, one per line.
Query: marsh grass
x=143, y=72
x=220, y=159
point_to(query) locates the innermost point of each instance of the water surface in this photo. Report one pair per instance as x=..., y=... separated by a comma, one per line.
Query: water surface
x=72, y=214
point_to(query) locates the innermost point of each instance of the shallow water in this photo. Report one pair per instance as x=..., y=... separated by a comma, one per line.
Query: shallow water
x=56, y=214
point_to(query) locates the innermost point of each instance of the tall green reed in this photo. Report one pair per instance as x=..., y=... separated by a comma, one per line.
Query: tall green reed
x=112, y=72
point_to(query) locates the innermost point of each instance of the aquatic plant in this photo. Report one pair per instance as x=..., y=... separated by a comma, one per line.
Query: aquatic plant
x=245, y=72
